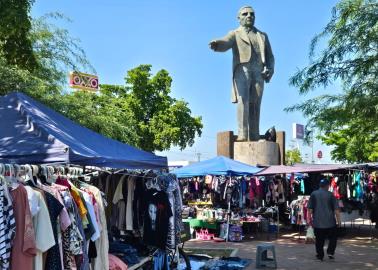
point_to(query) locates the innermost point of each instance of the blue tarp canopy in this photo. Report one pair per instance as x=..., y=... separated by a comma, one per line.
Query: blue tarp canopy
x=216, y=166
x=32, y=133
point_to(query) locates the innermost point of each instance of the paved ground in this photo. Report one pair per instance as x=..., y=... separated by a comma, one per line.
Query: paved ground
x=356, y=251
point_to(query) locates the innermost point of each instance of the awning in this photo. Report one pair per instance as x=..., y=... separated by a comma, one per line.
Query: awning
x=30, y=132
x=216, y=166
x=303, y=168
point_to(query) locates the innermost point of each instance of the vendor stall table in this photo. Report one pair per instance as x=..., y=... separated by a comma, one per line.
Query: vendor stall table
x=199, y=223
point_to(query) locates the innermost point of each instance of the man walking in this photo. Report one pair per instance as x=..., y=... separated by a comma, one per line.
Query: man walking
x=324, y=211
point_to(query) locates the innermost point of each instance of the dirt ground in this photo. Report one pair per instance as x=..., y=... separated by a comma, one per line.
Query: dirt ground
x=357, y=250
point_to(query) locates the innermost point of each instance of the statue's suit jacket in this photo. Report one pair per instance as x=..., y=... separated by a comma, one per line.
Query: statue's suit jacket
x=241, y=46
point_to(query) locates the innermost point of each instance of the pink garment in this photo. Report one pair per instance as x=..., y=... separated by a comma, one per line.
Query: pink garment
x=252, y=186
x=305, y=212
x=292, y=182
x=116, y=264
x=335, y=188
x=95, y=206
x=259, y=188
x=64, y=218
x=59, y=187
x=63, y=182
x=23, y=246
x=97, y=213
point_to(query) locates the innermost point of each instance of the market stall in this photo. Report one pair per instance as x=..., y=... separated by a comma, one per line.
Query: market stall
x=215, y=193
x=355, y=187
x=75, y=218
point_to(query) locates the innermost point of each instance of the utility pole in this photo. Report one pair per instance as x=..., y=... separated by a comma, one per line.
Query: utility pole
x=198, y=156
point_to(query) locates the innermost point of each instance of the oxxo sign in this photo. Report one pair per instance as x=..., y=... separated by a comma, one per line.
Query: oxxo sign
x=319, y=154
x=83, y=81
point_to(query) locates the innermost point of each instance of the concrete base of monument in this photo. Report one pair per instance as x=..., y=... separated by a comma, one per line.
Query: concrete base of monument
x=257, y=153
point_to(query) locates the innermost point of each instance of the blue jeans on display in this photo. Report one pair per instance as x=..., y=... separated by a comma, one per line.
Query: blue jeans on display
x=130, y=254
x=161, y=261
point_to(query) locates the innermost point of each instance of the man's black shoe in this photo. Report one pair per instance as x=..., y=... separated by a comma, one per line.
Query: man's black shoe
x=331, y=257
x=319, y=258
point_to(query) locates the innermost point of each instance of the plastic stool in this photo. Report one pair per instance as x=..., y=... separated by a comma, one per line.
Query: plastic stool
x=262, y=259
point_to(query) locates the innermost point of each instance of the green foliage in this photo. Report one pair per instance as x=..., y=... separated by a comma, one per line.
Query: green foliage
x=159, y=121
x=348, y=120
x=141, y=113
x=56, y=54
x=101, y=113
x=15, y=26
x=293, y=156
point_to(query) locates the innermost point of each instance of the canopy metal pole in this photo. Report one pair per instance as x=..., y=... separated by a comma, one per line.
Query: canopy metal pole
x=228, y=219
x=228, y=213
x=278, y=221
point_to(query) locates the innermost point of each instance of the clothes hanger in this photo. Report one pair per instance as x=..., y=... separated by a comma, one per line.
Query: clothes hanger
x=10, y=176
x=41, y=175
x=28, y=171
x=2, y=169
x=4, y=183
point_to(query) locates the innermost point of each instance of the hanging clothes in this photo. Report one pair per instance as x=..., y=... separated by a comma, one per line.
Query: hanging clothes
x=23, y=246
x=54, y=261
x=119, y=201
x=101, y=262
x=169, y=184
x=129, y=205
x=156, y=218
x=44, y=235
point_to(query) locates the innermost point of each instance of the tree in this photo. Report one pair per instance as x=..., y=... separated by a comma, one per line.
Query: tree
x=56, y=54
x=293, y=156
x=348, y=120
x=141, y=113
x=15, y=25
x=159, y=120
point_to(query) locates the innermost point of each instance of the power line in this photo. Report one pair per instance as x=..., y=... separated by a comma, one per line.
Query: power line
x=192, y=154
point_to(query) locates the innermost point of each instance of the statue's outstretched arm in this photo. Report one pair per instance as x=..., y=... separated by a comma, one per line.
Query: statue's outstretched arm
x=223, y=44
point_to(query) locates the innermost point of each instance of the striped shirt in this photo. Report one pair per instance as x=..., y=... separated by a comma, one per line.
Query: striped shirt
x=7, y=229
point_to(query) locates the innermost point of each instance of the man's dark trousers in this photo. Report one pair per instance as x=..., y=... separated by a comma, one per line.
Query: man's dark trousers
x=321, y=235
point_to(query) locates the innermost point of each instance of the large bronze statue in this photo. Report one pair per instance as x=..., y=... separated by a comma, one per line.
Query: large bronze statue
x=253, y=63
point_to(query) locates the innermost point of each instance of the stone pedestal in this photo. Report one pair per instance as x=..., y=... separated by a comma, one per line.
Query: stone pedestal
x=257, y=153
x=281, y=141
x=225, y=144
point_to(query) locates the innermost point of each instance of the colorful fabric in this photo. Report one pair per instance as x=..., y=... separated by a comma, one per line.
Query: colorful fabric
x=116, y=264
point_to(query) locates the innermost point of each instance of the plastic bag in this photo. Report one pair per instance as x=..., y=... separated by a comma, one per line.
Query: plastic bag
x=310, y=235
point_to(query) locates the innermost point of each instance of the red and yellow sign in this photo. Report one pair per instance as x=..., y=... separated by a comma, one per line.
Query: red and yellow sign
x=83, y=81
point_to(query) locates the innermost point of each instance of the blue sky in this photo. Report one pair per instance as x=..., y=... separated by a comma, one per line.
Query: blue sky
x=174, y=35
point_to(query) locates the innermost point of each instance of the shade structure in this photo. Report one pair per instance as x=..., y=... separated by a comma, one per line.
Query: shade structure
x=216, y=166
x=30, y=132
x=303, y=168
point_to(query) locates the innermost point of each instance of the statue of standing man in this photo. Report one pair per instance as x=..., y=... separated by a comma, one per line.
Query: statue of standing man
x=253, y=63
